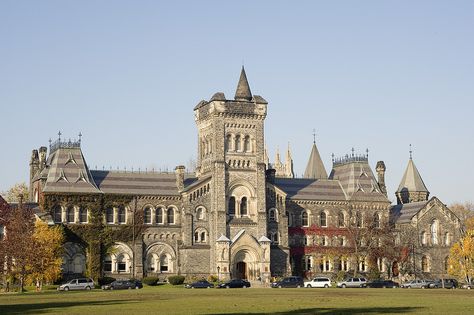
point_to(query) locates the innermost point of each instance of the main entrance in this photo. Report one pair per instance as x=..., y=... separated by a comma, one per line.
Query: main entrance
x=241, y=270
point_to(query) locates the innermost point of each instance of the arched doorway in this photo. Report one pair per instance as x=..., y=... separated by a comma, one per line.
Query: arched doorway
x=241, y=270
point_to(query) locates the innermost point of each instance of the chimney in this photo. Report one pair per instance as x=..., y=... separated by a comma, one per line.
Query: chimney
x=380, y=168
x=270, y=175
x=42, y=157
x=180, y=176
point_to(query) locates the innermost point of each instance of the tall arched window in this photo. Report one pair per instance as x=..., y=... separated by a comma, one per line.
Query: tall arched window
x=271, y=215
x=203, y=236
x=200, y=214
x=151, y=263
x=358, y=220
x=228, y=142
x=159, y=215
x=247, y=144
x=147, y=215
x=376, y=220
x=243, y=206
x=434, y=232
x=121, y=215
x=82, y=215
x=288, y=216
x=238, y=145
x=121, y=263
x=107, y=263
x=323, y=219
x=341, y=220
x=170, y=215
x=424, y=239
x=447, y=239
x=70, y=215
x=425, y=266
x=231, y=207
x=304, y=219
x=164, y=261
x=57, y=213
x=109, y=215
x=196, y=237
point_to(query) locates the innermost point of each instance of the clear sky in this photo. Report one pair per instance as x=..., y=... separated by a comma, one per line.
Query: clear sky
x=127, y=74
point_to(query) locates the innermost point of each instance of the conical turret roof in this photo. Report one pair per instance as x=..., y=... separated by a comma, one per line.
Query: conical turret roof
x=315, y=167
x=412, y=180
x=243, y=92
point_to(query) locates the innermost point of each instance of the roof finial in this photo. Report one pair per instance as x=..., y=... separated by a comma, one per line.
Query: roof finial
x=352, y=151
x=80, y=136
x=314, y=136
x=367, y=151
x=59, y=135
x=411, y=151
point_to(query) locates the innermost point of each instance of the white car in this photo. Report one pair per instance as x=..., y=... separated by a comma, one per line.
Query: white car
x=318, y=282
x=77, y=284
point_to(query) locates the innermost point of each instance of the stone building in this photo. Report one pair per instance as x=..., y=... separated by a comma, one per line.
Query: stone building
x=237, y=216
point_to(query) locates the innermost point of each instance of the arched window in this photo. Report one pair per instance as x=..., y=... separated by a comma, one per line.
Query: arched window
x=243, y=207
x=231, y=209
x=304, y=219
x=170, y=215
x=322, y=219
x=164, y=261
x=70, y=215
x=247, y=144
x=107, y=263
x=271, y=215
x=151, y=263
x=341, y=220
x=425, y=264
x=83, y=215
x=424, y=239
x=147, y=215
x=447, y=239
x=228, y=143
x=376, y=221
x=159, y=215
x=200, y=214
x=109, y=215
x=57, y=213
x=237, y=146
x=358, y=220
x=434, y=232
x=121, y=215
x=203, y=237
x=121, y=263
x=324, y=240
x=196, y=237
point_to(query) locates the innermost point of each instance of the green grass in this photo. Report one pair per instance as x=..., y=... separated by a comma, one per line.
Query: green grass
x=177, y=300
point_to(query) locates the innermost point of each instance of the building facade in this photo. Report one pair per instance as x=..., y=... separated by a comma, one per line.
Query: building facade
x=237, y=215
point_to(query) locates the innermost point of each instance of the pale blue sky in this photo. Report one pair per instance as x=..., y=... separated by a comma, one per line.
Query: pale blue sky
x=127, y=74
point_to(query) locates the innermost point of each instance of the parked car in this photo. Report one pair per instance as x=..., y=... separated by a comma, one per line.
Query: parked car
x=446, y=283
x=419, y=284
x=468, y=285
x=382, y=284
x=352, y=283
x=77, y=284
x=123, y=284
x=235, y=283
x=289, y=282
x=318, y=282
x=199, y=285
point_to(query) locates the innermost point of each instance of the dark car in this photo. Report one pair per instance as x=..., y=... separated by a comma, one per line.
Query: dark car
x=201, y=284
x=123, y=284
x=289, y=282
x=446, y=283
x=382, y=284
x=235, y=283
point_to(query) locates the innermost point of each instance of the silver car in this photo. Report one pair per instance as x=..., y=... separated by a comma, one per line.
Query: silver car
x=356, y=282
x=77, y=284
x=419, y=284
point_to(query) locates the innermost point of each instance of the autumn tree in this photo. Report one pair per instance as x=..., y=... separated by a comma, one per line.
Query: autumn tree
x=46, y=265
x=19, y=192
x=461, y=255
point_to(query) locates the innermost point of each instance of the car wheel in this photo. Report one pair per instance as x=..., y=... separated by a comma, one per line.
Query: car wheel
x=88, y=288
x=326, y=286
x=66, y=288
x=111, y=288
x=208, y=287
x=343, y=286
x=298, y=286
x=136, y=288
x=244, y=287
x=279, y=286
x=309, y=286
x=192, y=287
x=227, y=287
x=383, y=287
x=409, y=287
x=469, y=288
x=394, y=287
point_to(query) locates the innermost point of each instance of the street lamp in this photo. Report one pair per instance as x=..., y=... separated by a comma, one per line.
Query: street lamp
x=218, y=273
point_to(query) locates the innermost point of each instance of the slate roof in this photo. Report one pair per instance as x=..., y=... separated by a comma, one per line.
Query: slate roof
x=315, y=168
x=403, y=213
x=412, y=180
x=243, y=88
x=311, y=189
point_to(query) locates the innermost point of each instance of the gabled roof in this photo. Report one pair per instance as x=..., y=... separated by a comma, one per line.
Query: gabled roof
x=403, y=213
x=243, y=88
x=412, y=180
x=311, y=189
x=315, y=168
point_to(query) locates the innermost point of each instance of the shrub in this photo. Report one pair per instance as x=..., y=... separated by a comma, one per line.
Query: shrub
x=212, y=278
x=176, y=280
x=106, y=280
x=150, y=280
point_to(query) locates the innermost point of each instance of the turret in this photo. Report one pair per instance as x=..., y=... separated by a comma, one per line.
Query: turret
x=411, y=188
x=34, y=169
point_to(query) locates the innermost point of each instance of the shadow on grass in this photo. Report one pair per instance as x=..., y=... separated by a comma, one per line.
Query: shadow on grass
x=343, y=311
x=39, y=308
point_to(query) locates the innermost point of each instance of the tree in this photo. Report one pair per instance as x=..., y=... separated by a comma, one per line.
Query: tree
x=48, y=241
x=464, y=211
x=19, y=192
x=461, y=257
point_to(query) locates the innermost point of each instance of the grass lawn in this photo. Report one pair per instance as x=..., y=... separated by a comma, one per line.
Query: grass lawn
x=177, y=300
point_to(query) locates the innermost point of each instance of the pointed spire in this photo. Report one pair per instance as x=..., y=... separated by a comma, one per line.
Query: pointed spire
x=315, y=167
x=277, y=157
x=243, y=92
x=412, y=181
x=265, y=157
x=288, y=154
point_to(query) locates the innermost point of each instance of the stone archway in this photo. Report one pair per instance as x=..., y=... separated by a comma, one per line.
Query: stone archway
x=245, y=265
